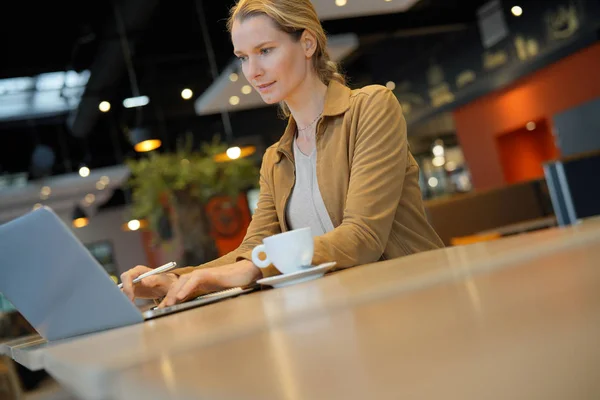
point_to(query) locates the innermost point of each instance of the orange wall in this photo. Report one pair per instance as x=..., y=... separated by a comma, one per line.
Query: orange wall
x=558, y=87
x=523, y=152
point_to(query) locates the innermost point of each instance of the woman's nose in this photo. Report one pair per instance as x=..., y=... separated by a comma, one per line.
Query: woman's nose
x=254, y=69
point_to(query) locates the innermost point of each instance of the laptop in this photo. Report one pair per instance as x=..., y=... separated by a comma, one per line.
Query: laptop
x=59, y=287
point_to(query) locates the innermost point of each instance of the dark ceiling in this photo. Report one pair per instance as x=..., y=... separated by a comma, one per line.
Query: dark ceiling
x=168, y=55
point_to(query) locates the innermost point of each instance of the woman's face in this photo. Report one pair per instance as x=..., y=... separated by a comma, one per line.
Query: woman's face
x=272, y=61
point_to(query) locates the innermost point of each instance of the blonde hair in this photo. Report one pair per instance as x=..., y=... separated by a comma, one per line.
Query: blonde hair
x=292, y=17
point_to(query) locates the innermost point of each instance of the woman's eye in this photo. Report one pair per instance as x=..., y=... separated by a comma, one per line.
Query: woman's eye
x=242, y=58
x=265, y=51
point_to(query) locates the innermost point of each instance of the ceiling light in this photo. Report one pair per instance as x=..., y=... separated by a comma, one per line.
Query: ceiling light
x=45, y=192
x=90, y=198
x=340, y=3
x=100, y=185
x=450, y=166
x=234, y=153
x=139, y=101
x=187, y=94
x=233, y=77
x=80, y=222
x=530, y=126
x=144, y=140
x=387, y=1
x=37, y=206
x=104, y=106
x=246, y=89
x=516, y=11
x=234, y=100
x=84, y=172
x=147, y=145
x=438, y=161
x=230, y=154
x=438, y=150
x=105, y=180
x=390, y=85
x=433, y=182
x=134, y=225
x=80, y=219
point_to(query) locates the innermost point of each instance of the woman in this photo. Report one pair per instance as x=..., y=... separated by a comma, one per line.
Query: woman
x=342, y=166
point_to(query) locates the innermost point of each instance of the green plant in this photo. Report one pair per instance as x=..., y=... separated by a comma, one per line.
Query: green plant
x=195, y=173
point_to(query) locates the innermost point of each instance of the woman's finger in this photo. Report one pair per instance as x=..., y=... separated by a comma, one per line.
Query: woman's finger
x=127, y=278
x=171, y=297
x=193, y=284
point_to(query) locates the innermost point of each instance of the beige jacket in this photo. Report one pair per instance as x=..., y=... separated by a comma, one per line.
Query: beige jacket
x=368, y=179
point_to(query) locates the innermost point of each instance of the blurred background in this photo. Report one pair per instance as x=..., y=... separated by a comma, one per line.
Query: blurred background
x=137, y=111
x=132, y=120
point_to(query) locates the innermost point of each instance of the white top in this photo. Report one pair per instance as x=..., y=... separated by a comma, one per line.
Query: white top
x=306, y=207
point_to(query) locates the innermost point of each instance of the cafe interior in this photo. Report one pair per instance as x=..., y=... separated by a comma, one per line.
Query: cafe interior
x=133, y=122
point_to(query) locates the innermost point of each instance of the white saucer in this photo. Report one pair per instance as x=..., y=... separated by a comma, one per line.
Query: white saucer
x=307, y=274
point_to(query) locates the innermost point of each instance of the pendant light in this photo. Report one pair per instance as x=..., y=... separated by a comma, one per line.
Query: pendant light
x=233, y=152
x=80, y=219
x=143, y=139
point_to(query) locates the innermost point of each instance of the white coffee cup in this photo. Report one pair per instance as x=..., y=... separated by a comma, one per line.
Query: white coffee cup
x=289, y=251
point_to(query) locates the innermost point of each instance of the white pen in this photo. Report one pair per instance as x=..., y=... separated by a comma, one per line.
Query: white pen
x=160, y=270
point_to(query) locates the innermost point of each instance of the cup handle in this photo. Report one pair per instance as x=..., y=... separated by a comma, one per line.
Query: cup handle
x=257, y=261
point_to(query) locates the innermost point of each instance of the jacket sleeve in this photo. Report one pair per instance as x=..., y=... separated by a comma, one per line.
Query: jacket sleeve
x=377, y=173
x=264, y=223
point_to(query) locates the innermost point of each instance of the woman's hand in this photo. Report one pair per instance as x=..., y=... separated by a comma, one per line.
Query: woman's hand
x=152, y=287
x=210, y=280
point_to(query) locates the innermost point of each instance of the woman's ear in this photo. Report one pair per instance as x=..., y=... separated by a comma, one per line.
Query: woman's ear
x=309, y=43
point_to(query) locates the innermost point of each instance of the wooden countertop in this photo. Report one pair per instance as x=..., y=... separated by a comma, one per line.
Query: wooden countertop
x=514, y=318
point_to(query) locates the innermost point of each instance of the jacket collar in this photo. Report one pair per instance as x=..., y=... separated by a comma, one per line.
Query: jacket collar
x=337, y=101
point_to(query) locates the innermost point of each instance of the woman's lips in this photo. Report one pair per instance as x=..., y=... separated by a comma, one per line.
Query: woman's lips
x=266, y=87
